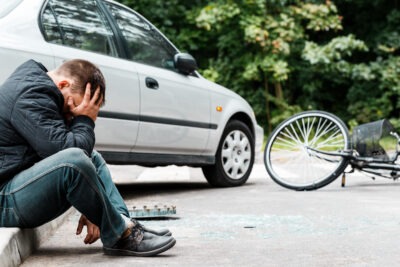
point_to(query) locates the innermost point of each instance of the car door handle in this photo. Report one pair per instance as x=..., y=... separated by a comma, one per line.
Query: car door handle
x=151, y=83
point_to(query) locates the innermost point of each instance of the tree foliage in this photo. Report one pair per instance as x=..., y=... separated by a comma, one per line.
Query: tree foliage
x=285, y=56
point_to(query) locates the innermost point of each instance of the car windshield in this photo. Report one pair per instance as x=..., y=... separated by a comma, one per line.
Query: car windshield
x=7, y=5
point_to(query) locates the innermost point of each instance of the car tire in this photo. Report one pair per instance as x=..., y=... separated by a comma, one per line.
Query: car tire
x=234, y=158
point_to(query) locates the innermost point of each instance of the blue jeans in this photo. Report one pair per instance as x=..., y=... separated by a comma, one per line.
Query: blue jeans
x=50, y=187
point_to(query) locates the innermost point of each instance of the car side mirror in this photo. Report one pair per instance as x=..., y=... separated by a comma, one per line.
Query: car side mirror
x=185, y=63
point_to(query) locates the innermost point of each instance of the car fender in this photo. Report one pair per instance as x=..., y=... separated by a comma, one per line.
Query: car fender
x=227, y=105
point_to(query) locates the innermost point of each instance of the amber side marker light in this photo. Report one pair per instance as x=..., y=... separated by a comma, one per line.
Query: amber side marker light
x=219, y=108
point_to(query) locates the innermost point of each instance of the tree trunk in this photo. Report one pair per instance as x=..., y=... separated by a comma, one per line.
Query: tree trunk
x=267, y=107
x=278, y=91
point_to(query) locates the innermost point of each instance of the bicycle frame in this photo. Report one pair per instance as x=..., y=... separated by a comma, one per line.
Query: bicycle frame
x=360, y=163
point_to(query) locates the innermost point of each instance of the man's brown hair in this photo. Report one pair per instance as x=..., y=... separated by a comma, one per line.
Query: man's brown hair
x=82, y=72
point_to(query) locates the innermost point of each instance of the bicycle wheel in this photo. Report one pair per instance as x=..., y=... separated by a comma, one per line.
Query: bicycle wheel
x=291, y=154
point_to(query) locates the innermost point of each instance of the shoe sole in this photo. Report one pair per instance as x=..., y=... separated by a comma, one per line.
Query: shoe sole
x=121, y=252
x=168, y=234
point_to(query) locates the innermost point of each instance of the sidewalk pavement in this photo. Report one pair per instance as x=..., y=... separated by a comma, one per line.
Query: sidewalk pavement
x=17, y=244
x=258, y=224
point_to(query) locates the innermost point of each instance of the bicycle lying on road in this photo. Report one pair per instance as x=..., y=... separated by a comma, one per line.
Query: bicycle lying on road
x=311, y=149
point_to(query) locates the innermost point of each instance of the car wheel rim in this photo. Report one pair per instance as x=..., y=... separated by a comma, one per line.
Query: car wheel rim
x=236, y=154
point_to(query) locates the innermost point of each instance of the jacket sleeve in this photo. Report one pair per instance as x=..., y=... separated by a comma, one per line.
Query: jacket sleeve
x=38, y=118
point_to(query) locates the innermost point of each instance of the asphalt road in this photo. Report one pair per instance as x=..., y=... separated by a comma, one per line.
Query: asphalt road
x=258, y=224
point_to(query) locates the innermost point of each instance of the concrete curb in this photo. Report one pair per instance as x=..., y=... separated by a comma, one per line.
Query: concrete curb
x=17, y=244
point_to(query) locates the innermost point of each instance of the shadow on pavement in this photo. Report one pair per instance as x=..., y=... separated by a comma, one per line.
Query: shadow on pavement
x=68, y=251
x=144, y=189
x=376, y=184
x=73, y=253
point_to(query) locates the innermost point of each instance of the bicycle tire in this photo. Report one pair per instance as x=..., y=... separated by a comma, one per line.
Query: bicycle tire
x=288, y=160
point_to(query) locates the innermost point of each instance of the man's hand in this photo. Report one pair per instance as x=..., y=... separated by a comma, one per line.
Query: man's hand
x=93, y=231
x=88, y=107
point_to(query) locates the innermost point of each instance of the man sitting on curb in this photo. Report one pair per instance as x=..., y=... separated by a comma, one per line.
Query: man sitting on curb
x=47, y=161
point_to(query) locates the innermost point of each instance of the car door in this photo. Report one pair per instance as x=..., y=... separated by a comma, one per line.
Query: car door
x=79, y=29
x=174, y=108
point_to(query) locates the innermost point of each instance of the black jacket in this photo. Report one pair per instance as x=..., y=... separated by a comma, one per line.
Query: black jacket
x=32, y=125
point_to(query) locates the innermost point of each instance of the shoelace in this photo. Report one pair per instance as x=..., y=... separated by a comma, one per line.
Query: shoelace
x=137, y=234
x=138, y=225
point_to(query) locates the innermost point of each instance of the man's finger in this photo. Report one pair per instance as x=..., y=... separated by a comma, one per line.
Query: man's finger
x=87, y=95
x=100, y=100
x=97, y=234
x=89, y=235
x=70, y=103
x=79, y=228
x=94, y=238
x=96, y=96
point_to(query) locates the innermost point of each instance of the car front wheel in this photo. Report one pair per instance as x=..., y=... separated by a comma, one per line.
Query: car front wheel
x=234, y=158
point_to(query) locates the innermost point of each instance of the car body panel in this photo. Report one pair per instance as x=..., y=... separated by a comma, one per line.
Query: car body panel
x=172, y=121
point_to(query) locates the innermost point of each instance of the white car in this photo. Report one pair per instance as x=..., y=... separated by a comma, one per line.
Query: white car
x=159, y=110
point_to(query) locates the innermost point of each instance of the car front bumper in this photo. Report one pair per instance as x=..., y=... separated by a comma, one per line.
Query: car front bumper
x=258, y=147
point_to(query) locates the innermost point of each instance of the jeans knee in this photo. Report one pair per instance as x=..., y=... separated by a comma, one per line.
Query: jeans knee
x=97, y=158
x=76, y=157
x=78, y=164
x=74, y=152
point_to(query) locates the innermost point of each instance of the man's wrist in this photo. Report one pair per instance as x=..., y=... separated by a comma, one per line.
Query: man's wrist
x=84, y=119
